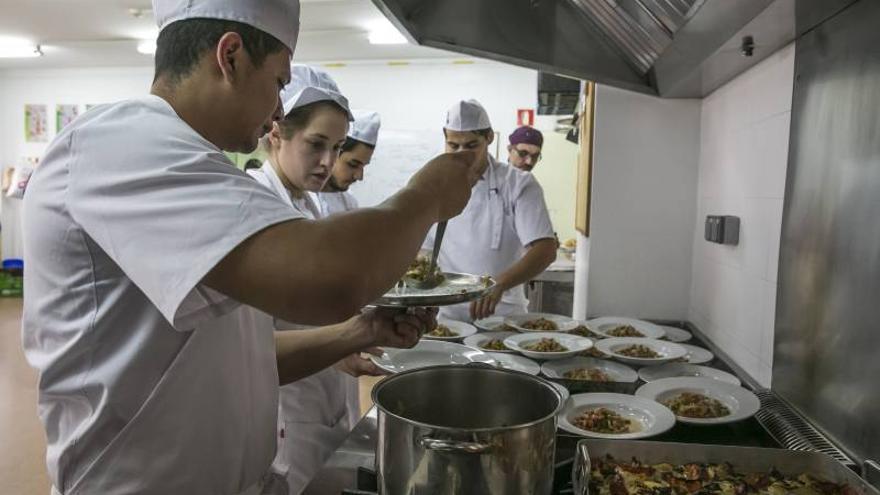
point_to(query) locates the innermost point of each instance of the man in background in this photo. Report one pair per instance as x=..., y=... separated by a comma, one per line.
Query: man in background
x=525, y=148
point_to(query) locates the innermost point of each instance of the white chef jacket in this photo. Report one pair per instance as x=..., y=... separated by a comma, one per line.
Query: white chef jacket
x=150, y=382
x=334, y=202
x=505, y=214
x=314, y=412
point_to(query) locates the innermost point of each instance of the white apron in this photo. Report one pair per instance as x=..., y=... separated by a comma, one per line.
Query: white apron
x=314, y=416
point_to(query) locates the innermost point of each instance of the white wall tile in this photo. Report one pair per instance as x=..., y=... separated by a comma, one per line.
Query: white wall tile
x=770, y=140
x=774, y=213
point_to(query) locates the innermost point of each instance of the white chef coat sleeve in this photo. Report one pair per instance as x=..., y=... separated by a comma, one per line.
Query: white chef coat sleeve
x=531, y=219
x=166, y=224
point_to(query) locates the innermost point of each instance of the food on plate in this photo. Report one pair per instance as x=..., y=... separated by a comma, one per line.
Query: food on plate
x=691, y=405
x=419, y=270
x=594, y=353
x=588, y=374
x=603, y=420
x=569, y=244
x=542, y=324
x=583, y=331
x=494, y=345
x=442, y=331
x=545, y=345
x=624, y=331
x=638, y=351
x=612, y=477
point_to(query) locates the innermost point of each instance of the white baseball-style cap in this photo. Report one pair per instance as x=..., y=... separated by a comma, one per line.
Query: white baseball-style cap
x=309, y=85
x=365, y=127
x=467, y=115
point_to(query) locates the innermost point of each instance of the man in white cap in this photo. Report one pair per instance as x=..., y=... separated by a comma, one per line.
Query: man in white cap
x=355, y=155
x=145, y=244
x=504, y=231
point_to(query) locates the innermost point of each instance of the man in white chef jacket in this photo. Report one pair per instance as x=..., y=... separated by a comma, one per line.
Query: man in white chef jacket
x=144, y=243
x=504, y=231
x=349, y=168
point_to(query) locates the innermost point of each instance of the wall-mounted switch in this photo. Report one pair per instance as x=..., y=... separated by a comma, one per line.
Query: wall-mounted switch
x=722, y=229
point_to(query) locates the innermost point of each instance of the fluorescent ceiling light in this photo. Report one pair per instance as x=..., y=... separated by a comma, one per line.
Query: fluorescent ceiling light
x=18, y=48
x=147, y=47
x=385, y=34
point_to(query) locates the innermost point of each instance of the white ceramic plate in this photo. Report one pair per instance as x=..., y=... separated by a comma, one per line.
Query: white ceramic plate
x=668, y=351
x=429, y=353
x=696, y=355
x=516, y=363
x=649, y=417
x=603, y=325
x=491, y=324
x=742, y=403
x=579, y=328
x=676, y=335
x=573, y=343
x=459, y=327
x=562, y=390
x=616, y=371
x=478, y=339
x=673, y=370
x=563, y=322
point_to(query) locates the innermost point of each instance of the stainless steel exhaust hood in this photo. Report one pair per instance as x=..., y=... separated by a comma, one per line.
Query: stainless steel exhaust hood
x=674, y=48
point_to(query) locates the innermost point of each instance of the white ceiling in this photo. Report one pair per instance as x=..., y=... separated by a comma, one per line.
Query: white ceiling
x=94, y=33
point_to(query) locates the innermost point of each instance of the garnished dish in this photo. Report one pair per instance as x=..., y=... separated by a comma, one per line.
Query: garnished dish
x=587, y=374
x=442, y=331
x=545, y=345
x=542, y=324
x=494, y=345
x=691, y=405
x=624, y=331
x=613, y=477
x=604, y=420
x=639, y=351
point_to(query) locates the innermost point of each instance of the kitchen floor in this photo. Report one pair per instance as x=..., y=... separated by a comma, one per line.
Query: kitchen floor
x=22, y=440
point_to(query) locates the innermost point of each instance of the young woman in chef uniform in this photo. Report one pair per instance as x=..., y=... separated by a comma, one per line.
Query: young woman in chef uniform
x=317, y=412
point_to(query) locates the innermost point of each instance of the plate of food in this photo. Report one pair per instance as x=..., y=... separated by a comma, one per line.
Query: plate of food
x=641, y=352
x=618, y=326
x=450, y=330
x=674, y=370
x=582, y=330
x=547, y=345
x=616, y=416
x=540, y=322
x=455, y=288
x=676, y=335
x=429, y=353
x=702, y=401
x=490, y=342
x=589, y=369
x=493, y=324
x=516, y=362
x=696, y=355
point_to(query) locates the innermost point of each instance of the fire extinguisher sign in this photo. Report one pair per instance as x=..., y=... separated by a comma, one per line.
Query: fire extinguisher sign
x=525, y=116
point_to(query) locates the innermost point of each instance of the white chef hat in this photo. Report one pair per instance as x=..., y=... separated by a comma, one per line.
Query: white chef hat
x=309, y=85
x=365, y=127
x=467, y=115
x=280, y=18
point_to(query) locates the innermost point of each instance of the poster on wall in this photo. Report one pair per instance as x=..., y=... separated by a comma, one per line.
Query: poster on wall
x=36, y=123
x=64, y=114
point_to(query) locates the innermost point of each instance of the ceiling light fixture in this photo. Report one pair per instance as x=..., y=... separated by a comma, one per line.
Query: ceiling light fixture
x=147, y=47
x=385, y=33
x=18, y=48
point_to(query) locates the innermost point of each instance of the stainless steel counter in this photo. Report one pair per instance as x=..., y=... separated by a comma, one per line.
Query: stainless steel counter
x=340, y=471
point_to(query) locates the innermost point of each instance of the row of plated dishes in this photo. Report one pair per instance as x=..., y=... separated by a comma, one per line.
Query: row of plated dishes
x=602, y=350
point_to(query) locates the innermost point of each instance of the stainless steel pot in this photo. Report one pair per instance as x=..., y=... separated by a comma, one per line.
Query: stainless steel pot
x=466, y=430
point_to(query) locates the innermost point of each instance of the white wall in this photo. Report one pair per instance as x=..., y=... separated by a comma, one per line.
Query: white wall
x=743, y=162
x=644, y=198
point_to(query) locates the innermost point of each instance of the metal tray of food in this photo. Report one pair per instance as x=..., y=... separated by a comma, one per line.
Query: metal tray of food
x=456, y=288
x=743, y=459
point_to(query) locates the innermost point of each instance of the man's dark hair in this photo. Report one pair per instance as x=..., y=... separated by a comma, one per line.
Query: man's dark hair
x=182, y=44
x=351, y=142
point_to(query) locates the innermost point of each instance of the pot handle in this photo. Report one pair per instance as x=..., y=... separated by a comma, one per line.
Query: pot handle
x=580, y=471
x=454, y=446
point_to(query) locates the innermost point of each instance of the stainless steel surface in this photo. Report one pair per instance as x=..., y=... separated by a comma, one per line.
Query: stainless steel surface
x=745, y=459
x=826, y=339
x=358, y=451
x=792, y=430
x=455, y=288
x=871, y=472
x=674, y=48
x=466, y=430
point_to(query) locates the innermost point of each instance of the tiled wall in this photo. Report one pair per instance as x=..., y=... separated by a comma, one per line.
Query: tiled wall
x=743, y=159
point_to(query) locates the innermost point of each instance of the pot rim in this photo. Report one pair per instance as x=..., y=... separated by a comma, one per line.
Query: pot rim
x=560, y=404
